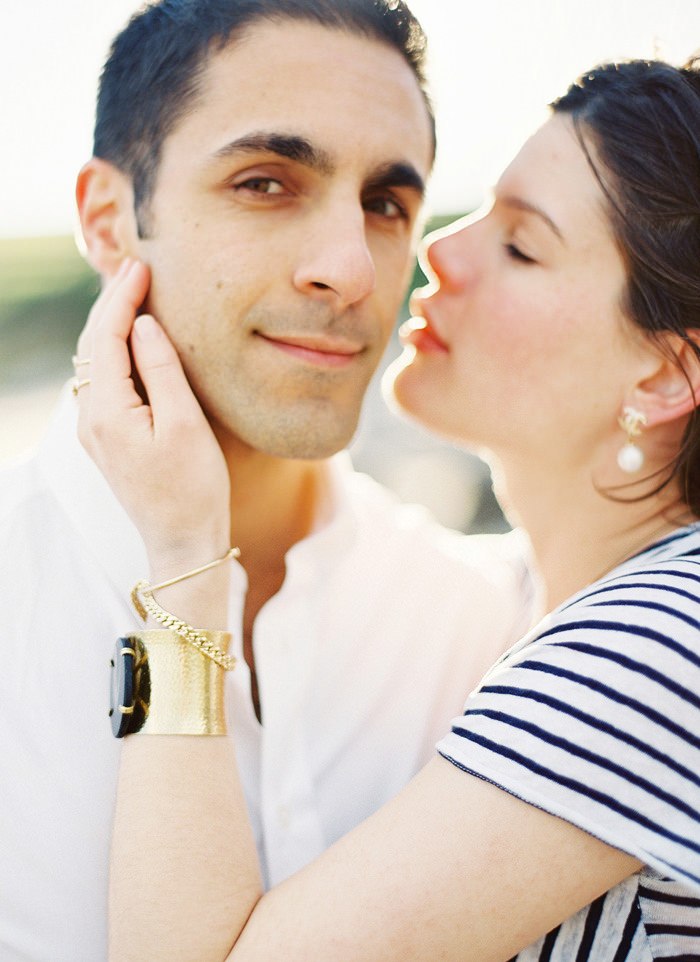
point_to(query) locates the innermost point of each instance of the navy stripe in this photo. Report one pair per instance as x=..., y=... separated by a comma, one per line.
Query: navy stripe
x=628, y=933
x=686, y=532
x=686, y=957
x=689, y=554
x=549, y=945
x=595, y=910
x=658, y=572
x=653, y=895
x=636, y=666
x=586, y=790
x=596, y=723
x=643, y=585
x=676, y=871
x=689, y=930
x=634, y=630
x=573, y=749
x=617, y=696
x=654, y=606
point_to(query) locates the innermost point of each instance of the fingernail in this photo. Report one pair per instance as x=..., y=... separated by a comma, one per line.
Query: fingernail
x=124, y=267
x=147, y=328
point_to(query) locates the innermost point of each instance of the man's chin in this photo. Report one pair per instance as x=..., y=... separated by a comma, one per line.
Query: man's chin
x=291, y=439
x=300, y=448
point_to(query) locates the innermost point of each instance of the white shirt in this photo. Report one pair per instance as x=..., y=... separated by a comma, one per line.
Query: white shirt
x=384, y=623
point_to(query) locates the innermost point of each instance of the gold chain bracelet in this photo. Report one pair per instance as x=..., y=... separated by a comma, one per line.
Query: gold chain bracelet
x=144, y=602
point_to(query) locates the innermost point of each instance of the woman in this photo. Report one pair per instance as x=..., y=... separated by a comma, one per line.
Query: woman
x=561, y=818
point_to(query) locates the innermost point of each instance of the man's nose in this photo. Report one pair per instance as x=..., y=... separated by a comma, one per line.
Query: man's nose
x=334, y=257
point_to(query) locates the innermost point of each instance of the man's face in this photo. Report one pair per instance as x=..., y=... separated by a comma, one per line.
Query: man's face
x=281, y=233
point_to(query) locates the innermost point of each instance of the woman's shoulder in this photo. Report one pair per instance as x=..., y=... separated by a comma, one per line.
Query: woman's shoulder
x=670, y=567
x=646, y=607
x=595, y=716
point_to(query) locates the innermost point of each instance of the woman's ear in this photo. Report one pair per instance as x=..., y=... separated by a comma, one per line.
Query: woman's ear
x=672, y=391
x=107, y=218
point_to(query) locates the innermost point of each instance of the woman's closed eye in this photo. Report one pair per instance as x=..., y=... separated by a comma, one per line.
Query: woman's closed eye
x=516, y=254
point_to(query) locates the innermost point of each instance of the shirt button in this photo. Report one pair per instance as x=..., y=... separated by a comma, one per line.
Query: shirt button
x=283, y=817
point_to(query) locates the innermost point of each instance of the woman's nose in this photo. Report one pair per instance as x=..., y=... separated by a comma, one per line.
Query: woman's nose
x=444, y=255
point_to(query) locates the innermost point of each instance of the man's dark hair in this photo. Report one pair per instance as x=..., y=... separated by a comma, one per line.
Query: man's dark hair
x=152, y=76
x=639, y=125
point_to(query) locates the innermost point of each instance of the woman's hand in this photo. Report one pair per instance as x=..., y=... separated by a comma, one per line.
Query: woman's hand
x=159, y=455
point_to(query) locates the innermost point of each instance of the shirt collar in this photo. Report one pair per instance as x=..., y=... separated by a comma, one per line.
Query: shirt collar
x=336, y=524
x=115, y=544
x=83, y=494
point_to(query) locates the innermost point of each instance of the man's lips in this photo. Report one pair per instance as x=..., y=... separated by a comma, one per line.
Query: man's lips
x=324, y=351
x=418, y=332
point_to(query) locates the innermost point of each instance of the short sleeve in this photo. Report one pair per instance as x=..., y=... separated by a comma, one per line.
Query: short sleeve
x=595, y=718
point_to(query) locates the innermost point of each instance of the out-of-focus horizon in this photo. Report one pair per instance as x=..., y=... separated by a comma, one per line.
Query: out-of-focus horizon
x=493, y=67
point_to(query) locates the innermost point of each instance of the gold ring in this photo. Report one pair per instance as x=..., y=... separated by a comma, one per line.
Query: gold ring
x=78, y=384
x=79, y=361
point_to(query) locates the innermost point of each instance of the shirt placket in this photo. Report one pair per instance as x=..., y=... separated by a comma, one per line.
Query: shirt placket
x=285, y=638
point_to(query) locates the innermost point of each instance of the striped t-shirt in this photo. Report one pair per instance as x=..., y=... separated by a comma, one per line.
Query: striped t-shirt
x=595, y=717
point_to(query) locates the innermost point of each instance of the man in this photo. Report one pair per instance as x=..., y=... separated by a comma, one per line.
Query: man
x=266, y=160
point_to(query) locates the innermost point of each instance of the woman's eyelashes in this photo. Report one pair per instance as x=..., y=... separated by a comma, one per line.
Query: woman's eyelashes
x=516, y=254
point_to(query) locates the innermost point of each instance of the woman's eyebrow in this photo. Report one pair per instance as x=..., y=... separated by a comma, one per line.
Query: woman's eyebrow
x=521, y=204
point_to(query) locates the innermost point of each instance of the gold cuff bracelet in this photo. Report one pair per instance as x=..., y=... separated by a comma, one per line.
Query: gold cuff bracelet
x=176, y=690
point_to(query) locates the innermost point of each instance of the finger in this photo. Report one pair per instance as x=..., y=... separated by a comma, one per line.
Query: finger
x=84, y=345
x=115, y=317
x=110, y=389
x=112, y=386
x=82, y=360
x=169, y=393
x=83, y=351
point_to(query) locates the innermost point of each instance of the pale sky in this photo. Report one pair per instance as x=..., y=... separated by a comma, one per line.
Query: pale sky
x=494, y=65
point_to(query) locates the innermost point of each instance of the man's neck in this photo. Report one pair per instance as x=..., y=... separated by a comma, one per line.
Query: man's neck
x=274, y=504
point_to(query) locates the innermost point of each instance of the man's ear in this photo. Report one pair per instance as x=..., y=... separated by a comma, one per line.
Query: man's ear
x=107, y=218
x=672, y=391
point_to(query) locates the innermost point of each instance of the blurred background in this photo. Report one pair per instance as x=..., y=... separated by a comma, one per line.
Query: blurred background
x=493, y=66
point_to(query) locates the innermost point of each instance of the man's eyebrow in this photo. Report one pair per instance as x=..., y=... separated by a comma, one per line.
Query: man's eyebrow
x=520, y=204
x=290, y=146
x=302, y=151
x=398, y=174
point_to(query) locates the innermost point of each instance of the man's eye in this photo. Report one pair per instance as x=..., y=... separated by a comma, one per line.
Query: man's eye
x=517, y=255
x=386, y=207
x=261, y=185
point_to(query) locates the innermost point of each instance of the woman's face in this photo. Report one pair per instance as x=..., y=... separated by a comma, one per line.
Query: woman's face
x=523, y=343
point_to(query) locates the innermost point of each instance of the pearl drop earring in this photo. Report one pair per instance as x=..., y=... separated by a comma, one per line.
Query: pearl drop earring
x=630, y=457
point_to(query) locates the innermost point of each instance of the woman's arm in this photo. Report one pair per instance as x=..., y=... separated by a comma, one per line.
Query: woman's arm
x=453, y=868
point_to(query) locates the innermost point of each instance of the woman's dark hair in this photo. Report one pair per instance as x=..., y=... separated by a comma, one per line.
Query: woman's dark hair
x=152, y=76
x=642, y=119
